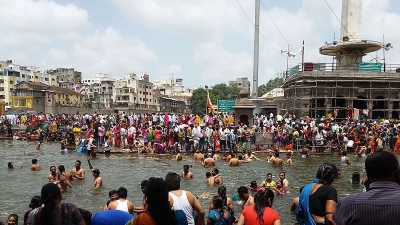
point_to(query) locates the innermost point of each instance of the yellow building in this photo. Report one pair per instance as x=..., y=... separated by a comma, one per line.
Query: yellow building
x=41, y=97
x=67, y=97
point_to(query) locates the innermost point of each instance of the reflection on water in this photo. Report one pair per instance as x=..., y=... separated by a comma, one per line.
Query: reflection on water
x=128, y=170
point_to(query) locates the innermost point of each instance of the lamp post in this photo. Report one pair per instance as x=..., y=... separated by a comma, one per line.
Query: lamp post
x=289, y=54
x=385, y=47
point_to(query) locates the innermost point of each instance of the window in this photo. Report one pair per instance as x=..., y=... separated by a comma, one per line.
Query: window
x=155, y=100
x=140, y=92
x=140, y=99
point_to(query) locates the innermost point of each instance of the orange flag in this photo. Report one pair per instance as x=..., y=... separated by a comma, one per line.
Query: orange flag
x=208, y=100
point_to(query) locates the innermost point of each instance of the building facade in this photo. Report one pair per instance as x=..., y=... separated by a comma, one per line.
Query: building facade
x=242, y=83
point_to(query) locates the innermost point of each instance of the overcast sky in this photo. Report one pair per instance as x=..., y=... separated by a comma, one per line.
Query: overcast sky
x=205, y=42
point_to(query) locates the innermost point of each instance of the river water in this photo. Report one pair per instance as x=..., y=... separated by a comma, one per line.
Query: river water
x=128, y=170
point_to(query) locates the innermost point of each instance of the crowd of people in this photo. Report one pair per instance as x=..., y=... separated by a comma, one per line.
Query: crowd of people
x=171, y=133
x=165, y=203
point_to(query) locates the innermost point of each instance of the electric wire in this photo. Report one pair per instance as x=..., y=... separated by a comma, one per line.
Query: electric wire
x=258, y=30
x=337, y=17
x=276, y=26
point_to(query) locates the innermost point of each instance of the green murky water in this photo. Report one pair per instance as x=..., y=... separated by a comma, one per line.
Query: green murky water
x=128, y=170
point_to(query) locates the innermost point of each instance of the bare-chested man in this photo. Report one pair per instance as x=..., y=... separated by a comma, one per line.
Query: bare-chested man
x=208, y=162
x=98, y=181
x=78, y=172
x=198, y=156
x=289, y=160
x=35, y=166
x=68, y=175
x=236, y=161
x=250, y=156
x=217, y=177
x=277, y=161
x=53, y=174
x=270, y=157
x=186, y=173
x=247, y=199
x=63, y=183
x=210, y=179
x=178, y=156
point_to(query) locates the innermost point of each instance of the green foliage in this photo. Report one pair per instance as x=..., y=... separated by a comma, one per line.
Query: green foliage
x=198, y=101
x=271, y=84
x=219, y=91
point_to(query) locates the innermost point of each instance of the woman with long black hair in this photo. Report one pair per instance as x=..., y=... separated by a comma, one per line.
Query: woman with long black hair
x=219, y=215
x=157, y=210
x=261, y=212
x=54, y=212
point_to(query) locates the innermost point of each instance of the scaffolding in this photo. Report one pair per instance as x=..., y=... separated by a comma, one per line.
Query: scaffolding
x=319, y=92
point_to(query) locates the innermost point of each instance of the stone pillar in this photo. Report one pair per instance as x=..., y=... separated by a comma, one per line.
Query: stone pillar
x=390, y=110
x=370, y=106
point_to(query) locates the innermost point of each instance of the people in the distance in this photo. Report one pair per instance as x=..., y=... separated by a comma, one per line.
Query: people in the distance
x=318, y=200
x=383, y=190
x=35, y=165
x=261, y=212
x=356, y=178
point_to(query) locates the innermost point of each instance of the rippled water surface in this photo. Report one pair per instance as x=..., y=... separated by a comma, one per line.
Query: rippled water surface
x=128, y=170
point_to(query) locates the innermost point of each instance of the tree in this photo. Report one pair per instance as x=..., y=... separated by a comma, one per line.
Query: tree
x=219, y=91
x=198, y=101
x=271, y=84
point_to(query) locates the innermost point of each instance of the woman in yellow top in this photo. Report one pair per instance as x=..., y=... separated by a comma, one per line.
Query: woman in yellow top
x=197, y=121
x=77, y=133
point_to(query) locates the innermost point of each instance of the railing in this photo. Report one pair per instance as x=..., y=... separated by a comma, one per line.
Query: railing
x=326, y=67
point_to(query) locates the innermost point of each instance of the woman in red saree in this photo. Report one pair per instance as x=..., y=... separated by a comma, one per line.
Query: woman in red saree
x=117, y=136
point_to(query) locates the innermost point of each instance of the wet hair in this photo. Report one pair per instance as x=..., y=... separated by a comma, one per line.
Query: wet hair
x=34, y=161
x=52, y=167
x=276, y=154
x=208, y=174
x=263, y=199
x=252, y=184
x=185, y=167
x=122, y=192
x=157, y=202
x=144, y=183
x=96, y=171
x=61, y=168
x=355, y=178
x=243, y=190
x=112, y=192
x=381, y=165
x=326, y=172
x=215, y=170
x=49, y=194
x=344, y=153
x=173, y=180
x=15, y=216
x=269, y=174
x=36, y=202
x=218, y=203
x=79, y=161
x=10, y=165
x=221, y=188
